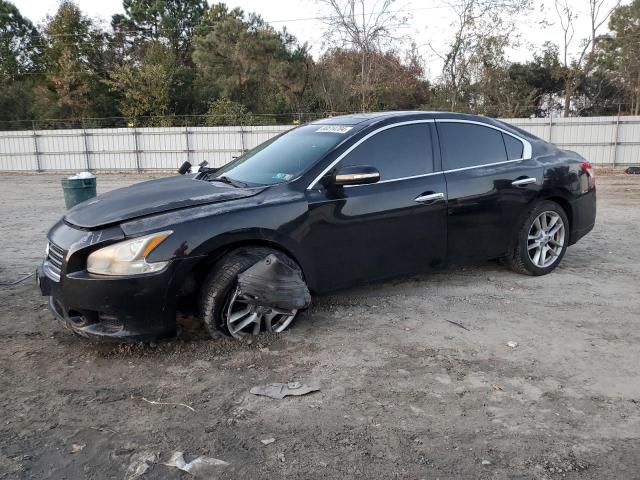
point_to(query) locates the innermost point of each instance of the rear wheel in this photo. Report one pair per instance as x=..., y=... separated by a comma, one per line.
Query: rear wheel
x=225, y=311
x=542, y=240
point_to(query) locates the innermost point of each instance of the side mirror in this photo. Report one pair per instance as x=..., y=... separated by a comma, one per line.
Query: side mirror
x=184, y=168
x=356, y=175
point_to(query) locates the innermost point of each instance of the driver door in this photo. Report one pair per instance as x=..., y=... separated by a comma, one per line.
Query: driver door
x=395, y=226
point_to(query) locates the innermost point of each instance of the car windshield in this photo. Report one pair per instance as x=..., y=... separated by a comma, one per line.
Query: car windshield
x=285, y=157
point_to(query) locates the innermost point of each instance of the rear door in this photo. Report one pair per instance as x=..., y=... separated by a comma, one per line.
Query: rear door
x=395, y=226
x=491, y=180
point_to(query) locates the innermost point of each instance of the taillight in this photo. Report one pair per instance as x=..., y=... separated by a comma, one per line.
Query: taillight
x=588, y=169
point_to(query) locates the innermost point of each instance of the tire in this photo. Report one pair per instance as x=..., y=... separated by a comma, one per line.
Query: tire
x=523, y=255
x=219, y=287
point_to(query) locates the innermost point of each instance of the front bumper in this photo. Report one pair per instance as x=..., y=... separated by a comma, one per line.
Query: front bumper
x=115, y=308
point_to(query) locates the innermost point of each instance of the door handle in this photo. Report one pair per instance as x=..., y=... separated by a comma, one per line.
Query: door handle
x=523, y=181
x=430, y=197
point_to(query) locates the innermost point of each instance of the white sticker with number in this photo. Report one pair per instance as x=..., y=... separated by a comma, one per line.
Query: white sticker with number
x=334, y=129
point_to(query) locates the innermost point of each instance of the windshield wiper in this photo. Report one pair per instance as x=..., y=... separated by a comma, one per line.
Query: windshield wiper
x=230, y=181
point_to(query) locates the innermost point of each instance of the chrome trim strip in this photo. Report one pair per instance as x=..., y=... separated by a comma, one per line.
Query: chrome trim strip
x=356, y=176
x=366, y=137
x=526, y=151
x=483, y=165
x=397, y=179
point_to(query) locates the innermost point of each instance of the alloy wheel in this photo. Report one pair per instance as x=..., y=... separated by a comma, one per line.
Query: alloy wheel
x=244, y=318
x=545, y=240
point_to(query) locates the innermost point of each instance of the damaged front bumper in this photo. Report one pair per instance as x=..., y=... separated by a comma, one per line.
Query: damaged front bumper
x=114, y=308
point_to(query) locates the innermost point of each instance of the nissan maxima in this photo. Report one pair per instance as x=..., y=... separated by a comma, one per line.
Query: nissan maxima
x=324, y=206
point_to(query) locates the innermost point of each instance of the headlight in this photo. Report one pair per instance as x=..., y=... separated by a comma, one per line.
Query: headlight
x=128, y=257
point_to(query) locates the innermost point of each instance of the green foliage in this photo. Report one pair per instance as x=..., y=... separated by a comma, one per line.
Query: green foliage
x=165, y=61
x=19, y=48
x=247, y=61
x=147, y=87
x=227, y=112
x=394, y=85
x=172, y=21
x=618, y=62
x=74, y=63
x=20, y=60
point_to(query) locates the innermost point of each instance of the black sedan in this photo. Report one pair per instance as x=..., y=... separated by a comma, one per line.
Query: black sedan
x=324, y=206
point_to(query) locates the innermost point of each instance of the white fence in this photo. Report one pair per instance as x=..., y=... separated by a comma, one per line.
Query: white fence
x=115, y=149
x=605, y=141
x=602, y=140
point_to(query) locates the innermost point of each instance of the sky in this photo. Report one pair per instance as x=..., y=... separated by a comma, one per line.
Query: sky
x=427, y=20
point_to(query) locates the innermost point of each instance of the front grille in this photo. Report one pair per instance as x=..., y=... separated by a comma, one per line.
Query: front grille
x=55, y=259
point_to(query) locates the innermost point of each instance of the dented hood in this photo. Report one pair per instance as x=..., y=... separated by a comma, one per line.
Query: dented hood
x=154, y=196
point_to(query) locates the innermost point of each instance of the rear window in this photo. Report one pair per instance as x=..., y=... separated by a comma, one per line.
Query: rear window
x=285, y=157
x=470, y=145
x=514, y=147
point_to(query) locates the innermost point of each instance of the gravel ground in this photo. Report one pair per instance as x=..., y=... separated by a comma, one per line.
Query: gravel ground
x=405, y=393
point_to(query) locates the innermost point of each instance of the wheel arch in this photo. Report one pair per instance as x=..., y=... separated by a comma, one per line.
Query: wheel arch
x=555, y=196
x=561, y=199
x=209, y=260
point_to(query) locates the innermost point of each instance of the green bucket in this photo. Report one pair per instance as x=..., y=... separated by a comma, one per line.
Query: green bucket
x=77, y=189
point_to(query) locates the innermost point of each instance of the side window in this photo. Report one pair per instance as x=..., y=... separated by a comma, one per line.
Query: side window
x=397, y=152
x=514, y=147
x=469, y=144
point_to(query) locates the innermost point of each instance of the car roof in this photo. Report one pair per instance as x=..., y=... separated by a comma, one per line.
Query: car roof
x=363, y=120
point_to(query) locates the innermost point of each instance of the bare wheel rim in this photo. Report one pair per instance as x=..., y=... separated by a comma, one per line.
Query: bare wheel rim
x=243, y=318
x=545, y=240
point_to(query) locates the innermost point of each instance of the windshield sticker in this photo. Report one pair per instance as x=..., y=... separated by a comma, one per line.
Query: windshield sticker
x=282, y=176
x=333, y=129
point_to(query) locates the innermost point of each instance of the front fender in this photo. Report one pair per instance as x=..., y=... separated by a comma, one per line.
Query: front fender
x=279, y=221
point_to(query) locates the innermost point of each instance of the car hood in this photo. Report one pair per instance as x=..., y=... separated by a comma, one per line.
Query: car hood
x=152, y=197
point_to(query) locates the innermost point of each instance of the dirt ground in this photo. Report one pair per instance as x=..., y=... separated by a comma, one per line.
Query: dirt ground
x=404, y=392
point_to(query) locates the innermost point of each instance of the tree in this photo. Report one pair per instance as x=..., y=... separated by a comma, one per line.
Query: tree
x=499, y=88
x=247, y=61
x=617, y=63
x=367, y=28
x=173, y=21
x=20, y=62
x=74, y=60
x=146, y=86
x=19, y=45
x=227, y=112
x=577, y=69
x=475, y=21
x=395, y=85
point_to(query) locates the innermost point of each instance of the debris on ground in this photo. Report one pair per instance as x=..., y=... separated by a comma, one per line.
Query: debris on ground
x=486, y=462
x=155, y=402
x=273, y=283
x=281, y=390
x=512, y=344
x=458, y=325
x=496, y=387
x=199, y=467
x=139, y=464
x=77, y=447
x=281, y=457
x=268, y=441
x=22, y=278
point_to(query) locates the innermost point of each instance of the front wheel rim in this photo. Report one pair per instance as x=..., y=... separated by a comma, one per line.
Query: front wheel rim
x=243, y=318
x=545, y=240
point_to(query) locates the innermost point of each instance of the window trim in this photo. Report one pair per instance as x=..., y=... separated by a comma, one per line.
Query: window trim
x=363, y=139
x=526, y=150
x=526, y=146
